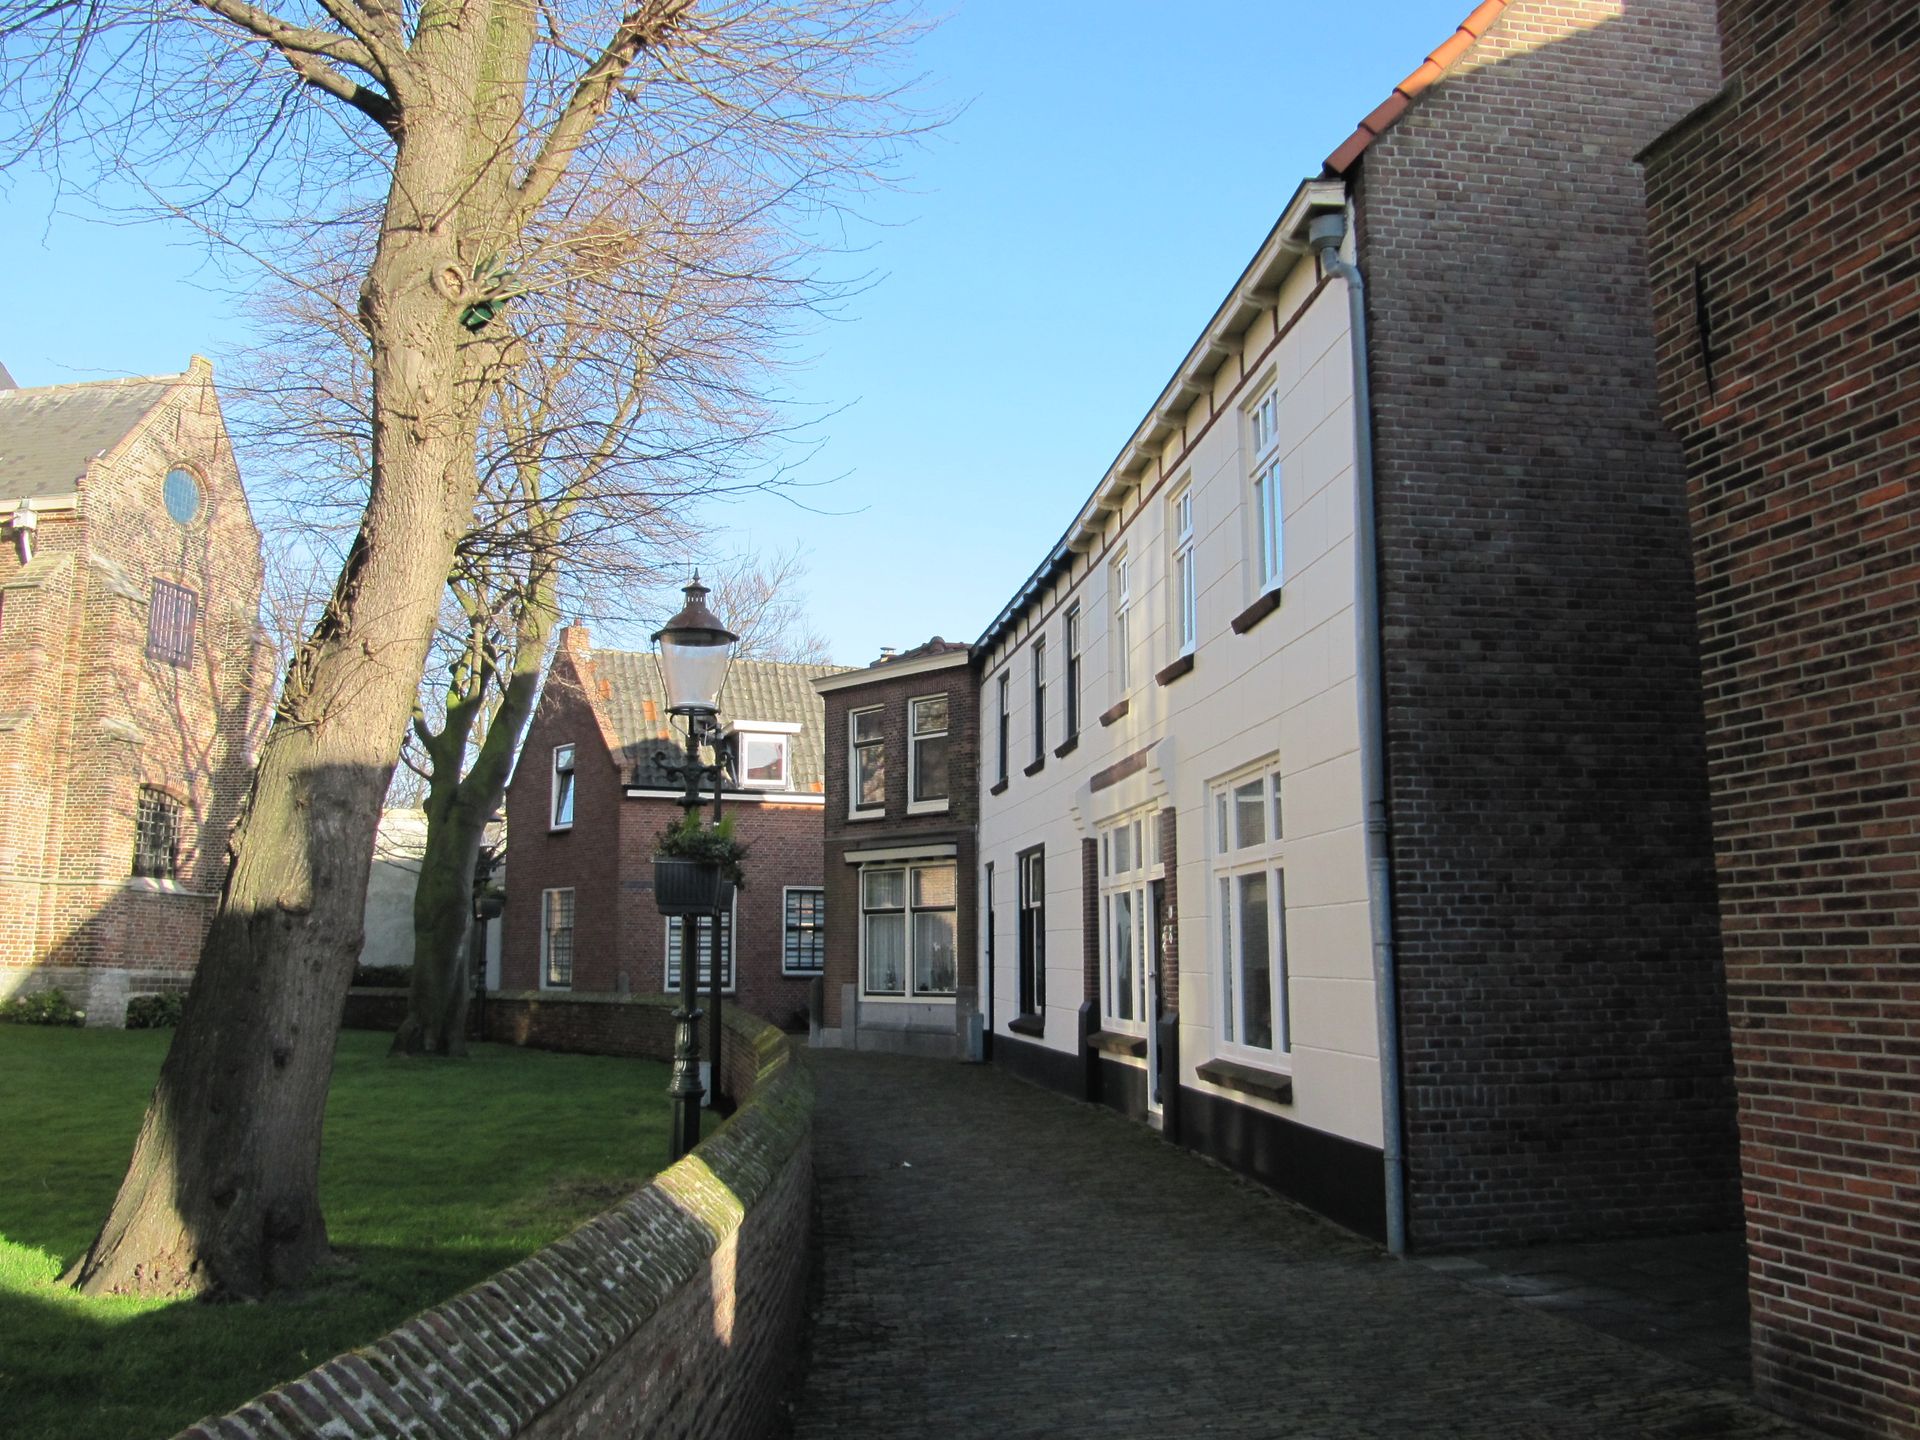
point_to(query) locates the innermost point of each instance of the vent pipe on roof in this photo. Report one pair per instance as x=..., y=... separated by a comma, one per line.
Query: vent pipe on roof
x=1325, y=235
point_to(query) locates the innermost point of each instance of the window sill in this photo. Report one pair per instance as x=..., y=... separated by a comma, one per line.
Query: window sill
x=1248, y=1080
x=999, y=788
x=939, y=997
x=1116, y=711
x=566, y=829
x=1173, y=672
x=1034, y=1025
x=155, y=885
x=1066, y=747
x=800, y=974
x=928, y=807
x=1039, y=764
x=1115, y=1042
x=853, y=815
x=1256, y=612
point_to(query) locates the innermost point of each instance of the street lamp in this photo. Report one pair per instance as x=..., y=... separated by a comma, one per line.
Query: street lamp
x=695, y=649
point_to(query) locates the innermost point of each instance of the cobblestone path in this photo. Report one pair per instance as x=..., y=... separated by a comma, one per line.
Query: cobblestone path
x=1002, y=1262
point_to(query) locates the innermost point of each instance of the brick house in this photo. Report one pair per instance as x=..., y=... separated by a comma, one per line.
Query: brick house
x=902, y=949
x=587, y=802
x=1786, y=294
x=133, y=681
x=1343, y=785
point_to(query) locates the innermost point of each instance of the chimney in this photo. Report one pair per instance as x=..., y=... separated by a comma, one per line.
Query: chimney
x=6, y=380
x=887, y=653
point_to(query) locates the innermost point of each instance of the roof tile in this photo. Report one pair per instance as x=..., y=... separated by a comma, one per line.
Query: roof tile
x=1422, y=79
x=635, y=706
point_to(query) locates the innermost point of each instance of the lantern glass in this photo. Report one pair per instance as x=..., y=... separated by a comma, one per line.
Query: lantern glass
x=693, y=675
x=694, y=650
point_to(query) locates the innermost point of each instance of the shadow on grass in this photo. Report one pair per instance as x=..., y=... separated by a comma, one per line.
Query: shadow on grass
x=142, y=1370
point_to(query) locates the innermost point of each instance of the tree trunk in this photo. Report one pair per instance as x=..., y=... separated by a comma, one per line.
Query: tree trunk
x=222, y=1193
x=458, y=807
x=442, y=924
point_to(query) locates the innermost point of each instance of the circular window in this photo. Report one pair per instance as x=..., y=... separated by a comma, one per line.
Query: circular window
x=182, y=495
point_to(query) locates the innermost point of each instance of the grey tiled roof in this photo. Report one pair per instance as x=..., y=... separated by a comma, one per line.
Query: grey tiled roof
x=50, y=432
x=635, y=704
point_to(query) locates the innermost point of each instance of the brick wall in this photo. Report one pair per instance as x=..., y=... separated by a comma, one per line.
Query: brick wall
x=1782, y=249
x=958, y=824
x=1564, y=1040
x=93, y=719
x=585, y=858
x=783, y=849
x=676, y=1313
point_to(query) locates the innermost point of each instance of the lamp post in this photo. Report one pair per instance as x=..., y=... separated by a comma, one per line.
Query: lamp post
x=694, y=651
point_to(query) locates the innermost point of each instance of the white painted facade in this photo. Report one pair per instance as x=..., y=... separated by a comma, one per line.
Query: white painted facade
x=1282, y=697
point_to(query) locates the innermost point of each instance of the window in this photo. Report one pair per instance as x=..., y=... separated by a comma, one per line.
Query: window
x=170, y=616
x=927, y=752
x=703, y=952
x=1129, y=866
x=1040, y=698
x=156, y=835
x=867, y=764
x=763, y=761
x=1263, y=443
x=1120, y=584
x=180, y=492
x=562, y=787
x=1250, y=883
x=1072, y=677
x=1033, y=931
x=804, y=949
x=1003, y=728
x=907, y=931
x=1186, y=593
x=556, y=939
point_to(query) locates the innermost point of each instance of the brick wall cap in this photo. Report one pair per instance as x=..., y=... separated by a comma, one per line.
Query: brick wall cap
x=1429, y=72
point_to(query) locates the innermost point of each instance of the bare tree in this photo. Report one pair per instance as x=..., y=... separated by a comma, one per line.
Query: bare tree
x=459, y=132
x=760, y=598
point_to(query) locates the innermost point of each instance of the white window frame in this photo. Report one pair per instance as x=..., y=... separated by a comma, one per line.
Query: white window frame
x=1004, y=733
x=1265, y=502
x=1039, y=653
x=1070, y=677
x=855, y=810
x=787, y=927
x=762, y=737
x=567, y=793
x=1120, y=589
x=1129, y=864
x=547, y=982
x=909, y=994
x=937, y=804
x=729, y=969
x=1231, y=863
x=1182, y=576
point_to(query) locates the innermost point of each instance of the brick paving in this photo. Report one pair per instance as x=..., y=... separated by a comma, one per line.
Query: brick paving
x=998, y=1261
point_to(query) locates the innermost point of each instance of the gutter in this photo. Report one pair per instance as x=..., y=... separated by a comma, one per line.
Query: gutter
x=1326, y=233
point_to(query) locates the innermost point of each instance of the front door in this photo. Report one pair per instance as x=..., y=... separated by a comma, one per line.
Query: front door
x=1156, y=951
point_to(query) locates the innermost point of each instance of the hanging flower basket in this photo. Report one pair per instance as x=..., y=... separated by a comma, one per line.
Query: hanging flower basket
x=689, y=887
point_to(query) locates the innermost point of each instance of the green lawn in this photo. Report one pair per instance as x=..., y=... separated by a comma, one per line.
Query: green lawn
x=435, y=1175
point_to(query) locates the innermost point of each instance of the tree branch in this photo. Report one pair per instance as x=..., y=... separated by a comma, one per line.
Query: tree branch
x=643, y=27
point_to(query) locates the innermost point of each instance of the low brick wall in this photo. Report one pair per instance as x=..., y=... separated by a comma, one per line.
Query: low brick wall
x=677, y=1312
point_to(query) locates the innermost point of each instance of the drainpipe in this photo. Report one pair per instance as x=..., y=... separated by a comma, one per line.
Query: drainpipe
x=24, y=523
x=1324, y=236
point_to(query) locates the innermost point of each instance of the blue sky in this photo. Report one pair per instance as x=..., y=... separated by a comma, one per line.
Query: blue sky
x=1050, y=257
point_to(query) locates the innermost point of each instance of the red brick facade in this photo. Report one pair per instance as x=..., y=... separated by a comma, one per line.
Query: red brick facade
x=1566, y=1067
x=90, y=717
x=1787, y=294
x=893, y=827
x=606, y=858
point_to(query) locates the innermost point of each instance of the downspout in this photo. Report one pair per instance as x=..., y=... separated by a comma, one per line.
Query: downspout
x=1324, y=236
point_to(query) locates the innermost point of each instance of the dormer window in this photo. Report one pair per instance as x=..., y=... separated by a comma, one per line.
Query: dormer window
x=763, y=761
x=763, y=754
